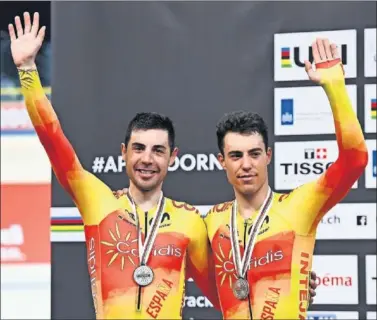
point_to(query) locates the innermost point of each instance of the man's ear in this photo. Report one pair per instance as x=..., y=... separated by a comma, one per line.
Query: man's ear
x=123, y=150
x=269, y=155
x=173, y=156
x=221, y=159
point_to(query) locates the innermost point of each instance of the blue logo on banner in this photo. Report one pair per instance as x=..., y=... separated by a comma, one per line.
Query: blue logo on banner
x=287, y=112
x=374, y=169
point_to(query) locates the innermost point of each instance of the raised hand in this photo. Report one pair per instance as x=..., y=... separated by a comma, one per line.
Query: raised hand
x=26, y=44
x=329, y=68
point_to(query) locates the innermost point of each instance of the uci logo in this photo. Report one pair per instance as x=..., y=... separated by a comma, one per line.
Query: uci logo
x=300, y=62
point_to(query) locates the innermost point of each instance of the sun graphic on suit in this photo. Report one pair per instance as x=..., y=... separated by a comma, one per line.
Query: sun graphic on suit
x=115, y=247
x=225, y=266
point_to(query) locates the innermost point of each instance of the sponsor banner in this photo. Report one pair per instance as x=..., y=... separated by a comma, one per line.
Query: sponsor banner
x=337, y=279
x=370, y=108
x=371, y=315
x=371, y=170
x=23, y=160
x=298, y=111
x=297, y=163
x=26, y=291
x=25, y=223
x=370, y=277
x=186, y=162
x=292, y=49
x=370, y=52
x=329, y=315
x=346, y=221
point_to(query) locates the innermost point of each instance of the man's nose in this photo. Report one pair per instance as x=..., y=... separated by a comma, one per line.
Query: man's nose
x=147, y=157
x=247, y=163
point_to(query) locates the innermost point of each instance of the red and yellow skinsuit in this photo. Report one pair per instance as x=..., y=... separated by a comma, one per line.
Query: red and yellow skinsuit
x=279, y=269
x=110, y=231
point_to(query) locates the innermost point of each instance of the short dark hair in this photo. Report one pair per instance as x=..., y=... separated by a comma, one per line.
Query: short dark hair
x=241, y=122
x=149, y=121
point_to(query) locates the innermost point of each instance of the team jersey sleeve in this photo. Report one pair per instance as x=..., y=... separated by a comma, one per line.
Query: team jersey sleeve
x=200, y=264
x=313, y=200
x=82, y=186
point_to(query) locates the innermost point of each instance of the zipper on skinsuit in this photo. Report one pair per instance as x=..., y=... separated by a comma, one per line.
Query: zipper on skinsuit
x=138, y=303
x=244, y=245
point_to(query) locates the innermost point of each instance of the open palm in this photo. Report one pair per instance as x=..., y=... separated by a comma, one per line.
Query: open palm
x=329, y=68
x=26, y=44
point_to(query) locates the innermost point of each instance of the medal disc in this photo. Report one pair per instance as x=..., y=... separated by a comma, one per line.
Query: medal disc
x=143, y=276
x=241, y=289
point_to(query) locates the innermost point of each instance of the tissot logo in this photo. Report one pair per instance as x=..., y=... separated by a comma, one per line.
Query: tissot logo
x=319, y=153
x=301, y=162
x=309, y=167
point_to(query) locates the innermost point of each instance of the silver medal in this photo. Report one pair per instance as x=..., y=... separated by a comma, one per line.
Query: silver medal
x=143, y=276
x=241, y=289
x=241, y=285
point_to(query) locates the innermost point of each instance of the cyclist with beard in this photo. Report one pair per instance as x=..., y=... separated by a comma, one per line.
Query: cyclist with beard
x=140, y=246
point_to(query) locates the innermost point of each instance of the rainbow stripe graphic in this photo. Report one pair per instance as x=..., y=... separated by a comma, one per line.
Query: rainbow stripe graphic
x=373, y=108
x=286, y=58
x=66, y=225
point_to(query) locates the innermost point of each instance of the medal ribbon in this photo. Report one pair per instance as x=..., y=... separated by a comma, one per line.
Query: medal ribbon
x=146, y=248
x=242, y=266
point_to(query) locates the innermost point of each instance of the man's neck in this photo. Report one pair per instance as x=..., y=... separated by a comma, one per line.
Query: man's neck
x=146, y=200
x=248, y=204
